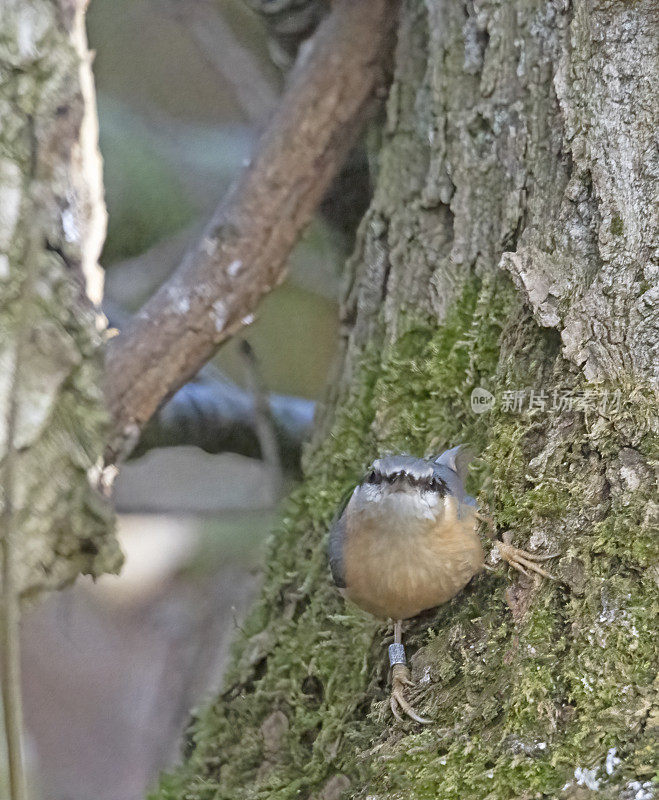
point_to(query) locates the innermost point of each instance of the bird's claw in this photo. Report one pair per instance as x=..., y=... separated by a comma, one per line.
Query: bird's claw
x=399, y=680
x=521, y=560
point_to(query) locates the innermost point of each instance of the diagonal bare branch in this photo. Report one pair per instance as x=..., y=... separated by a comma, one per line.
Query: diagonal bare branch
x=243, y=252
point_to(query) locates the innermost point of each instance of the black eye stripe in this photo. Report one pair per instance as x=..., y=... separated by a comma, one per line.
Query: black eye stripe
x=428, y=483
x=436, y=484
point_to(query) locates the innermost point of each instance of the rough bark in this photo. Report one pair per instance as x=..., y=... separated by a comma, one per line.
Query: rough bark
x=509, y=247
x=52, y=223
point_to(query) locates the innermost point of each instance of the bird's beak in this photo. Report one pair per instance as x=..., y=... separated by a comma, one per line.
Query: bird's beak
x=399, y=484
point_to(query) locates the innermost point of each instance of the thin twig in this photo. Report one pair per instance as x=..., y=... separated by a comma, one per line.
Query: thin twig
x=11, y=658
x=263, y=421
x=243, y=252
x=236, y=65
x=10, y=633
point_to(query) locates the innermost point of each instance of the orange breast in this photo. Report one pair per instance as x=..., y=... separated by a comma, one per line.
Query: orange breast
x=400, y=573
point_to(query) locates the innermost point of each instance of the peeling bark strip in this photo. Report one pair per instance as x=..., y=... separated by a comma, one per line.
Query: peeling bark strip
x=52, y=222
x=242, y=255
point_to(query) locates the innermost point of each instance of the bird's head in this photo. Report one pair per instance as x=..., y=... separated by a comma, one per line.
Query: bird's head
x=402, y=485
x=401, y=474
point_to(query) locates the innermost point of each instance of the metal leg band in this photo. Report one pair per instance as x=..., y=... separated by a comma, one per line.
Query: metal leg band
x=397, y=654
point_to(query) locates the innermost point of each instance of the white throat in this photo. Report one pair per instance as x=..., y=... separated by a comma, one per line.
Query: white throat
x=393, y=510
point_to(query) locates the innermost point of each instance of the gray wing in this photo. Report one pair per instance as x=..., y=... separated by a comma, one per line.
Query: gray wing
x=337, y=537
x=457, y=459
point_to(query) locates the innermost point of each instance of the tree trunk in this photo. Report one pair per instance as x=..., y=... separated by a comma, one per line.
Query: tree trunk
x=53, y=420
x=508, y=247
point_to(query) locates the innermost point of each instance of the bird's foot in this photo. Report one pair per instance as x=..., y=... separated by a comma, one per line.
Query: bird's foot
x=522, y=560
x=400, y=679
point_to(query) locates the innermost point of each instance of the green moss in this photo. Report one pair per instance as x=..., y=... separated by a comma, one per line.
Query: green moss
x=572, y=676
x=523, y=684
x=617, y=227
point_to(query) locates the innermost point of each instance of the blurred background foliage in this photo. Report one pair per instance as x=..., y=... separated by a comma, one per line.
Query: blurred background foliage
x=112, y=670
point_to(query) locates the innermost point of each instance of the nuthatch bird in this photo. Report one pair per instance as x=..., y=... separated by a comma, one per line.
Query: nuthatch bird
x=406, y=541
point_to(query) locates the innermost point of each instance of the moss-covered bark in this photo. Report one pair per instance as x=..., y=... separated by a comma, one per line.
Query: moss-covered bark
x=494, y=229
x=52, y=221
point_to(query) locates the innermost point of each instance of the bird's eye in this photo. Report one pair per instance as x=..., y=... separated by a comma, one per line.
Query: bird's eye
x=374, y=477
x=437, y=485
